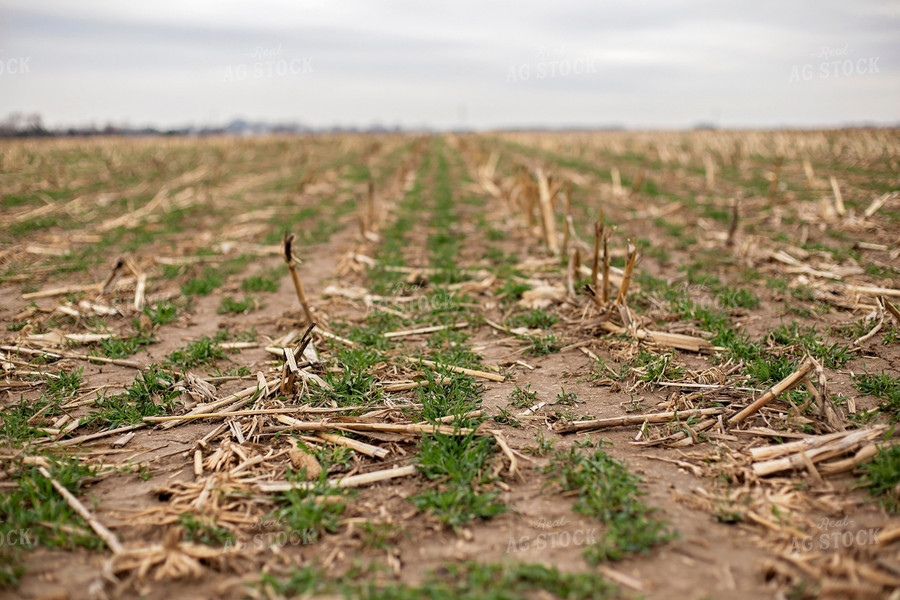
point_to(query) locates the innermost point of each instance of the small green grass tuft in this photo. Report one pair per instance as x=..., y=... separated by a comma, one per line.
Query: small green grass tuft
x=230, y=305
x=241, y=371
x=65, y=384
x=541, y=345
x=459, y=468
x=268, y=281
x=522, y=397
x=512, y=289
x=447, y=394
x=351, y=387
x=204, y=284
x=450, y=347
x=202, y=529
x=771, y=368
x=468, y=581
x=881, y=476
x=507, y=418
x=150, y=394
x=35, y=515
x=883, y=387
x=890, y=335
x=202, y=352
x=534, y=319
x=124, y=347
x=566, y=398
x=542, y=447
x=379, y=536
x=608, y=492
x=161, y=313
x=22, y=228
x=733, y=297
x=809, y=340
x=657, y=367
x=307, y=512
x=14, y=426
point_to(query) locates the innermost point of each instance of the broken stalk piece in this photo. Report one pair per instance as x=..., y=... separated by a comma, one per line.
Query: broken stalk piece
x=290, y=368
x=629, y=269
x=295, y=276
x=598, y=236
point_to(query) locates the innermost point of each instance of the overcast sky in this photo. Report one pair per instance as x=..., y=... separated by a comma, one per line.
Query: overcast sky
x=472, y=63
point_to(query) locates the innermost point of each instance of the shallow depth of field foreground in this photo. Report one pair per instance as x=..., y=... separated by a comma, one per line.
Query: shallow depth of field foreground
x=512, y=365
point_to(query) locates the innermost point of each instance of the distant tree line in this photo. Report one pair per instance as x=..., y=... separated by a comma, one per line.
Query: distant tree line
x=21, y=124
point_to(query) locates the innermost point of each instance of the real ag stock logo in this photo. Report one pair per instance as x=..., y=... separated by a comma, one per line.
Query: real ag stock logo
x=268, y=63
x=551, y=62
x=553, y=534
x=835, y=63
x=16, y=537
x=17, y=65
x=846, y=537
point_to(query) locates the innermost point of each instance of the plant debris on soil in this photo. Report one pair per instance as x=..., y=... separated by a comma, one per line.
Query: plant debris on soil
x=507, y=365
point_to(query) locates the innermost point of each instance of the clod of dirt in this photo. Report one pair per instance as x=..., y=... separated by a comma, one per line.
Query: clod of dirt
x=301, y=459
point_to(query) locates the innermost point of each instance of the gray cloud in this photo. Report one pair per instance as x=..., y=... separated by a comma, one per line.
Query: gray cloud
x=643, y=64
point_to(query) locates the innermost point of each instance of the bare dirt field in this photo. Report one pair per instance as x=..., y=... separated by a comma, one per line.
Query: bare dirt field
x=509, y=365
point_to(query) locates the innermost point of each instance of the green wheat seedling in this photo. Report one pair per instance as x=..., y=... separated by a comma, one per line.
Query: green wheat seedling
x=609, y=493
